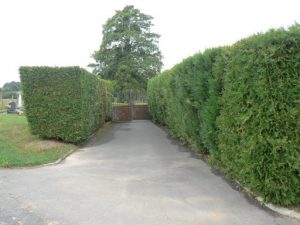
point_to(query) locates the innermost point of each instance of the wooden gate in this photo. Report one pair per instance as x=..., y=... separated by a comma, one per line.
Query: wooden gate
x=128, y=112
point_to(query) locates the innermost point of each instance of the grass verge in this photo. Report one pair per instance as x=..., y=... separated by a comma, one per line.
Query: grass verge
x=19, y=148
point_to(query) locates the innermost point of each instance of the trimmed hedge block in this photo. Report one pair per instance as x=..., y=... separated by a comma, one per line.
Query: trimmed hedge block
x=65, y=103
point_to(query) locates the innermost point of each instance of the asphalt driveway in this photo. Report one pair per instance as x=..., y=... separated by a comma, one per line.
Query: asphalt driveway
x=131, y=174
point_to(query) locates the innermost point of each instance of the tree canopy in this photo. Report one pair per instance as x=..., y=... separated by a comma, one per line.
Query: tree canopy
x=11, y=86
x=129, y=52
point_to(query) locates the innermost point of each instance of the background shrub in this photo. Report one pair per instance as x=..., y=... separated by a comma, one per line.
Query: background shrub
x=66, y=103
x=241, y=104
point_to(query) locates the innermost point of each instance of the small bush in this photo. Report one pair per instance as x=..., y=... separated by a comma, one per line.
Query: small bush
x=66, y=103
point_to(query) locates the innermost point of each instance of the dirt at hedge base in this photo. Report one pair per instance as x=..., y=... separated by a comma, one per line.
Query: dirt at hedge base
x=42, y=145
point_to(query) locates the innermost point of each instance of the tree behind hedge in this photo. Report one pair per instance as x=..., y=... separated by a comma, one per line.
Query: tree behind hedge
x=129, y=52
x=12, y=86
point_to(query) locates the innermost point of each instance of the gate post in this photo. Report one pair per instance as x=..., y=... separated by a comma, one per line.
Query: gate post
x=131, y=105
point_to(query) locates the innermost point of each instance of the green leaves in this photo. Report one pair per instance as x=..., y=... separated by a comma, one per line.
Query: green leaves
x=129, y=52
x=177, y=98
x=262, y=80
x=65, y=103
x=11, y=86
x=241, y=104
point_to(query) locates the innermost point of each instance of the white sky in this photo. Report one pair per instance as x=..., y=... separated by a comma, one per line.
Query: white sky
x=66, y=32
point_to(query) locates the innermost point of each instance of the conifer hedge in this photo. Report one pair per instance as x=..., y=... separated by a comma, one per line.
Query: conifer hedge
x=259, y=128
x=241, y=104
x=178, y=98
x=66, y=103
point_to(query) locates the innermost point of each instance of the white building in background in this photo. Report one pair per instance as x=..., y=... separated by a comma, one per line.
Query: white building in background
x=20, y=103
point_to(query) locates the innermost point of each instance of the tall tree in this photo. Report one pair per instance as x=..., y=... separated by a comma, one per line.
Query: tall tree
x=12, y=86
x=10, y=89
x=129, y=52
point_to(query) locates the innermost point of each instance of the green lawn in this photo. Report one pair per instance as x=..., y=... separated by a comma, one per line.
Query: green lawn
x=20, y=148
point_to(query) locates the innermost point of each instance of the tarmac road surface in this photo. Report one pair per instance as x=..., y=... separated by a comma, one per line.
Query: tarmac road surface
x=130, y=174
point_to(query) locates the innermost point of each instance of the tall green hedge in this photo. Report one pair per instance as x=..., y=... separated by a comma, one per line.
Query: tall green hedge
x=178, y=98
x=66, y=103
x=259, y=128
x=212, y=105
x=241, y=104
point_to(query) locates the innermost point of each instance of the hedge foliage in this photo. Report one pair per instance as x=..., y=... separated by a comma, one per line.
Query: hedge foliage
x=241, y=104
x=66, y=103
x=185, y=98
